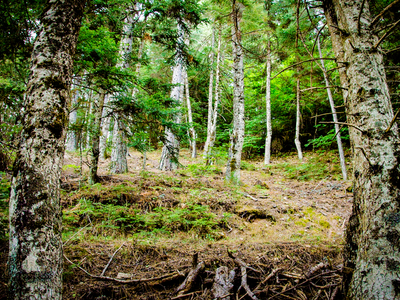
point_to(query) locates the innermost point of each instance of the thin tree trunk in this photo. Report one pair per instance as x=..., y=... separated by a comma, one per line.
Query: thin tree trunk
x=372, y=249
x=35, y=254
x=210, y=95
x=96, y=129
x=237, y=136
x=192, y=131
x=216, y=103
x=105, y=129
x=298, y=121
x=334, y=115
x=119, y=163
x=73, y=115
x=268, y=139
x=89, y=120
x=170, y=151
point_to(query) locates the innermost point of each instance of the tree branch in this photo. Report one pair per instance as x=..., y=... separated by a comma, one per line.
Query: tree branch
x=385, y=35
x=359, y=16
x=304, y=61
x=385, y=10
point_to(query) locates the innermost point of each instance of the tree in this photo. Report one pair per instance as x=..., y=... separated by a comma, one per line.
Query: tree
x=35, y=257
x=237, y=135
x=372, y=251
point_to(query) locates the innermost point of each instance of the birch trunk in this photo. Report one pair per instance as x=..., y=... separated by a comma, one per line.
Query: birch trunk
x=334, y=115
x=237, y=136
x=105, y=129
x=89, y=120
x=298, y=120
x=119, y=163
x=119, y=152
x=268, y=139
x=170, y=151
x=216, y=103
x=192, y=131
x=35, y=255
x=210, y=95
x=95, y=133
x=71, y=143
x=372, y=238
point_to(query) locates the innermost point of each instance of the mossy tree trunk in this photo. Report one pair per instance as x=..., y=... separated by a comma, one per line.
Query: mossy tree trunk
x=35, y=257
x=372, y=238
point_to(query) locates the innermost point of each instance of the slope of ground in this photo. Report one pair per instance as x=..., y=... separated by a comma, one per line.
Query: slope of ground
x=137, y=235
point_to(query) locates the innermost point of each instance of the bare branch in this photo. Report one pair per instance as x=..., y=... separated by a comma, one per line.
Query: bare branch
x=109, y=262
x=385, y=10
x=304, y=61
x=323, y=87
x=342, y=123
x=392, y=122
x=359, y=16
x=385, y=35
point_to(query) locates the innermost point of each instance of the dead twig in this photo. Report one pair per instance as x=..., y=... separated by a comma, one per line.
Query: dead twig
x=186, y=295
x=189, y=281
x=166, y=277
x=384, y=11
x=112, y=257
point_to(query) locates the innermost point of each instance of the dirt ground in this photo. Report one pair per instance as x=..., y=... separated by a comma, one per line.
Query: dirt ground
x=285, y=234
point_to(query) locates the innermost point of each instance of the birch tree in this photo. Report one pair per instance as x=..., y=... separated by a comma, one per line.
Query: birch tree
x=192, y=131
x=170, y=151
x=372, y=251
x=119, y=163
x=73, y=116
x=211, y=135
x=237, y=135
x=334, y=115
x=268, y=139
x=35, y=254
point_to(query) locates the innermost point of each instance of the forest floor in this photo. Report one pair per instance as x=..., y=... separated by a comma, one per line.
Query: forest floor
x=138, y=235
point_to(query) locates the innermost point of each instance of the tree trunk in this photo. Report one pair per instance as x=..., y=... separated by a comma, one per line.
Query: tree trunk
x=35, y=255
x=237, y=136
x=210, y=95
x=372, y=236
x=216, y=103
x=119, y=163
x=298, y=120
x=105, y=129
x=73, y=115
x=95, y=133
x=334, y=115
x=119, y=152
x=89, y=120
x=170, y=151
x=268, y=139
x=192, y=131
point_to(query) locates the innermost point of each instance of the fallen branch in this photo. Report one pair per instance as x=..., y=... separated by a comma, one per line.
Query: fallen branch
x=187, y=285
x=223, y=283
x=112, y=257
x=185, y=295
x=163, y=278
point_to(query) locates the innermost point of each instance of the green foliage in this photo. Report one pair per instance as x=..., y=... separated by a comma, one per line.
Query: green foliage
x=111, y=219
x=326, y=141
x=5, y=185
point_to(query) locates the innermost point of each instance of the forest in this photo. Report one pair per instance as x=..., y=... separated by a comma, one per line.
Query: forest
x=187, y=149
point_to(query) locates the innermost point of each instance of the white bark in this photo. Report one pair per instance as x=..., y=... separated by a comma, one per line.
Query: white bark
x=119, y=163
x=372, y=249
x=334, y=115
x=216, y=103
x=268, y=139
x=73, y=115
x=35, y=252
x=192, y=131
x=89, y=120
x=298, y=121
x=170, y=151
x=210, y=95
x=237, y=136
x=105, y=128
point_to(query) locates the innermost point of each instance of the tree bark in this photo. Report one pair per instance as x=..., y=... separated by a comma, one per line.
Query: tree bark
x=372, y=236
x=268, y=139
x=334, y=115
x=170, y=151
x=71, y=143
x=105, y=129
x=192, y=131
x=213, y=132
x=95, y=132
x=237, y=136
x=35, y=255
x=210, y=95
x=298, y=120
